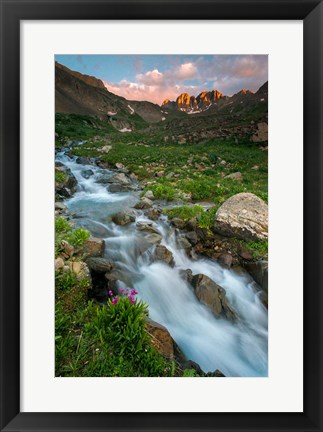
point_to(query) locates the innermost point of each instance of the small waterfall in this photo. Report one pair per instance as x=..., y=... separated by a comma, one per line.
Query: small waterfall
x=236, y=348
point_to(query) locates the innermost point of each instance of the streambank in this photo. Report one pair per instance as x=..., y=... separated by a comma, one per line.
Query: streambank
x=237, y=347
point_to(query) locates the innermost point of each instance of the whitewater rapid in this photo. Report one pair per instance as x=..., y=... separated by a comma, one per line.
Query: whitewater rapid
x=236, y=348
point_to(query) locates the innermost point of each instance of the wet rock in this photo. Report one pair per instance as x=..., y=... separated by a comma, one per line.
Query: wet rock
x=225, y=260
x=259, y=271
x=99, y=265
x=120, y=178
x=60, y=207
x=160, y=338
x=190, y=364
x=83, y=160
x=153, y=214
x=123, y=218
x=183, y=243
x=149, y=194
x=115, y=188
x=161, y=253
x=103, y=178
x=244, y=253
x=216, y=374
x=187, y=275
x=87, y=173
x=244, y=216
x=235, y=176
x=146, y=242
x=147, y=226
x=67, y=183
x=144, y=203
x=177, y=223
x=94, y=247
x=212, y=295
x=192, y=237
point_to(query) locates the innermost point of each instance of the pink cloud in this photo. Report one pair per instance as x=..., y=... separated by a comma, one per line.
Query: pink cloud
x=228, y=74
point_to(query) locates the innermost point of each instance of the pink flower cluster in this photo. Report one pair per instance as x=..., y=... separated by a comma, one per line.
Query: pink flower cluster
x=127, y=292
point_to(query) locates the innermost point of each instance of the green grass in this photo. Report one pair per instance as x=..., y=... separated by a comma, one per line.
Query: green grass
x=60, y=177
x=145, y=155
x=205, y=218
x=259, y=249
x=64, y=231
x=80, y=127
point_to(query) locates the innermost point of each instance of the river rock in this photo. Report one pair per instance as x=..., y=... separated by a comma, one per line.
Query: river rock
x=259, y=271
x=87, y=173
x=187, y=275
x=99, y=265
x=244, y=216
x=94, y=247
x=183, y=243
x=149, y=194
x=120, y=178
x=216, y=374
x=115, y=188
x=147, y=226
x=192, y=237
x=177, y=223
x=60, y=207
x=160, y=338
x=146, y=242
x=153, y=214
x=68, y=185
x=212, y=295
x=225, y=260
x=144, y=203
x=123, y=218
x=83, y=160
x=161, y=253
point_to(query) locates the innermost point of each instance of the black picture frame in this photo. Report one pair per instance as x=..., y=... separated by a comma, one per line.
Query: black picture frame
x=12, y=12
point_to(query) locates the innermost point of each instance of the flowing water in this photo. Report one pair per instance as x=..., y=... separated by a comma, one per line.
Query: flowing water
x=236, y=348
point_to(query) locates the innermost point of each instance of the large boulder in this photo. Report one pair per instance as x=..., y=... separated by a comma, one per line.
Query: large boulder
x=244, y=216
x=212, y=295
x=160, y=338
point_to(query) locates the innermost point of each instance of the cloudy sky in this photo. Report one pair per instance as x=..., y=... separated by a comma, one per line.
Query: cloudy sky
x=157, y=77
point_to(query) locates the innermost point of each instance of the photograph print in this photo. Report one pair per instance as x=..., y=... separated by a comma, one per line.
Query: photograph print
x=161, y=216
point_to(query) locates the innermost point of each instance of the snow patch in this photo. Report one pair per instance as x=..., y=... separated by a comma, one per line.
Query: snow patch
x=112, y=113
x=125, y=130
x=132, y=111
x=262, y=100
x=164, y=118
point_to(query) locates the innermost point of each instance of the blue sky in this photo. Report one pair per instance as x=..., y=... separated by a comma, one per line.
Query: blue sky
x=157, y=77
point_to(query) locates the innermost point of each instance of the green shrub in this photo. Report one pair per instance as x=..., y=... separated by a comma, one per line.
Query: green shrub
x=78, y=237
x=164, y=191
